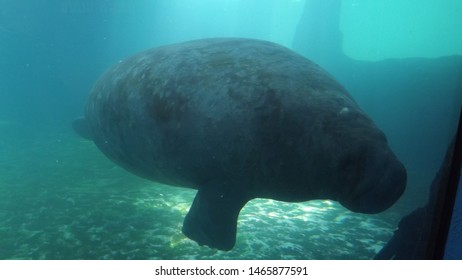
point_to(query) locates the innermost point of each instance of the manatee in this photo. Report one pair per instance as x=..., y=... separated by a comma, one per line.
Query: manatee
x=239, y=119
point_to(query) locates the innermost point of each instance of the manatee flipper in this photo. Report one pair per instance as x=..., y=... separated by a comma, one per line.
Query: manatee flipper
x=82, y=128
x=212, y=219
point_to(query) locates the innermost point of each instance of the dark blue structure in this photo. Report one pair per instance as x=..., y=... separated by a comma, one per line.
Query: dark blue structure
x=453, y=249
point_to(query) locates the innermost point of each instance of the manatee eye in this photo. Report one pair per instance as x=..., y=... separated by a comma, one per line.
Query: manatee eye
x=344, y=111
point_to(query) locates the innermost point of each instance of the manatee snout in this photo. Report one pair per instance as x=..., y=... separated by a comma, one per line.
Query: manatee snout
x=383, y=183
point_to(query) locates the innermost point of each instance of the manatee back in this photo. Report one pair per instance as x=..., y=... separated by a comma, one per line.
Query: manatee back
x=179, y=113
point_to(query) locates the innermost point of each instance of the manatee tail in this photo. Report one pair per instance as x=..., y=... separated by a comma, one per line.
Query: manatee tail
x=82, y=128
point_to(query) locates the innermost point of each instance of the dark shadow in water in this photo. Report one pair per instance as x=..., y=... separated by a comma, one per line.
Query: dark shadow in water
x=412, y=100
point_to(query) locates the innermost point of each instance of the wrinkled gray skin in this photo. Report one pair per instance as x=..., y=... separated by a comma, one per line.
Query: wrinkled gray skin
x=238, y=119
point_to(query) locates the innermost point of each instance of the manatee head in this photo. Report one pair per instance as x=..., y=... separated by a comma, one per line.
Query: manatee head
x=366, y=176
x=377, y=181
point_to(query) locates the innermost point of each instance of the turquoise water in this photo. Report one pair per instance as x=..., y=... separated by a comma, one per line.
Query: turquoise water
x=62, y=199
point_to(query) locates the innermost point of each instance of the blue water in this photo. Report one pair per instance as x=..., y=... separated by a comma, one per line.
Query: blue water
x=62, y=199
